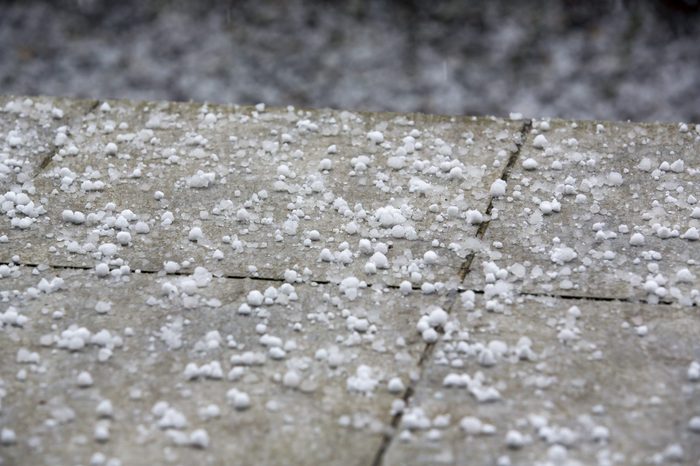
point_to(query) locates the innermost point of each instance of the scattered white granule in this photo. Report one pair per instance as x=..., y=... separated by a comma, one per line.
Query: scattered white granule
x=692, y=234
x=637, y=239
x=562, y=255
x=291, y=379
x=350, y=287
x=471, y=425
x=199, y=438
x=240, y=400
x=201, y=179
x=376, y=137
x=515, y=439
x=105, y=409
x=73, y=217
x=325, y=164
x=540, y=141
x=395, y=385
x=7, y=436
x=615, y=179
x=24, y=356
x=474, y=217
x=694, y=371
x=124, y=238
x=498, y=188
x=101, y=432
x=694, y=424
x=103, y=307
x=195, y=234
x=389, y=216
x=363, y=381
x=111, y=148
x=430, y=258
x=84, y=380
x=529, y=164
x=255, y=298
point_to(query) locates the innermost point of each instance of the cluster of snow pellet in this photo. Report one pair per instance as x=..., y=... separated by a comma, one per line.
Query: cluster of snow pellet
x=20, y=209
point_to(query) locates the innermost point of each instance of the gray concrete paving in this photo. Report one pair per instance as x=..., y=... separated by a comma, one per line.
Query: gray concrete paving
x=296, y=361
x=271, y=180
x=601, y=209
x=184, y=283
x=578, y=382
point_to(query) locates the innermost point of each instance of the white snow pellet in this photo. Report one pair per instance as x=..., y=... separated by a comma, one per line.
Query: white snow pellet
x=529, y=164
x=471, y=425
x=199, y=438
x=692, y=234
x=201, y=180
x=124, y=238
x=395, y=385
x=291, y=379
x=474, y=217
x=694, y=424
x=437, y=317
x=376, y=137
x=540, y=142
x=325, y=164
x=430, y=258
x=104, y=409
x=7, y=436
x=515, y=439
x=562, y=255
x=693, y=372
x=240, y=400
x=637, y=239
x=84, y=379
x=255, y=298
x=363, y=382
x=103, y=307
x=101, y=432
x=195, y=234
x=498, y=188
x=429, y=335
x=111, y=148
x=171, y=267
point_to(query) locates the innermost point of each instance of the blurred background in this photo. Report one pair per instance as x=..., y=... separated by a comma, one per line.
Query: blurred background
x=605, y=59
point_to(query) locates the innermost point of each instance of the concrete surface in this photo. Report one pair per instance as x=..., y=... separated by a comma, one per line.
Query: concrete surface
x=189, y=283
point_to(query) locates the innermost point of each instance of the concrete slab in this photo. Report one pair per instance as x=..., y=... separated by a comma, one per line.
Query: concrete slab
x=271, y=190
x=352, y=228
x=576, y=382
x=302, y=380
x=599, y=209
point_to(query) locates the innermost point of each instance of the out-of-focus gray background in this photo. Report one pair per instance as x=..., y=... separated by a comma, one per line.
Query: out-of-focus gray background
x=608, y=59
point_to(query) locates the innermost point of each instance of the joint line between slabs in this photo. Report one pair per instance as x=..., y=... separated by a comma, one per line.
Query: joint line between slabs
x=483, y=226
x=155, y=272
x=425, y=356
x=48, y=157
x=460, y=289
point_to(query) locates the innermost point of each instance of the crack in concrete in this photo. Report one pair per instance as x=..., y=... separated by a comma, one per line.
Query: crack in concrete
x=464, y=270
x=48, y=157
x=483, y=226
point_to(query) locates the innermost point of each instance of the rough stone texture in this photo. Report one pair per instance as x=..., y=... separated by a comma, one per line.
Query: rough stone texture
x=168, y=144
x=574, y=169
x=585, y=372
x=616, y=384
x=55, y=419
